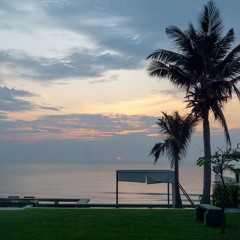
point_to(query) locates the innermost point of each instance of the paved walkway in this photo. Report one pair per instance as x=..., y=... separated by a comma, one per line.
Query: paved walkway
x=14, y=208
x=233, y=210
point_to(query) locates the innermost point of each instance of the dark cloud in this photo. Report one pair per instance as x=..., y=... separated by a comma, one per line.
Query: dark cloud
x=78, y=127
x=122, y=134
x=48, y=108
x=125, y=27
x=75, y=65
x=131, y=28
x=124, y=32
x=133, y=147
x=113, y=124
x=11, y=101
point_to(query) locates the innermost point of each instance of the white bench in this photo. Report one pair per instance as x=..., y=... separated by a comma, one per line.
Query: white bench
x=209, y=214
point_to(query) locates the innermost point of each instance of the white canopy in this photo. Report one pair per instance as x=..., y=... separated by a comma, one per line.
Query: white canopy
x=146, y=176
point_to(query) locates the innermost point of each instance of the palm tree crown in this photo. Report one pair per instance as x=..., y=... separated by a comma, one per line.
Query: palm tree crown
x=176, y=131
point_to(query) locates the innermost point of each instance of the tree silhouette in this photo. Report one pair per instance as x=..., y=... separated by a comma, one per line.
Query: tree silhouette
x=176, y=132
x=208, y=70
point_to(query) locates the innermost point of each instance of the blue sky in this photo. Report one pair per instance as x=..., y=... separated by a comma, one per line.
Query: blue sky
x=74, y=85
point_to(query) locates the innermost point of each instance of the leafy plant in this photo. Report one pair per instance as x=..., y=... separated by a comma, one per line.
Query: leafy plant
x=219, y=163
x=231, y=194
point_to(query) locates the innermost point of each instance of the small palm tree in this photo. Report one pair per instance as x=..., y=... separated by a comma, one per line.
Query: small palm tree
x=207, y=68
x=176, y=131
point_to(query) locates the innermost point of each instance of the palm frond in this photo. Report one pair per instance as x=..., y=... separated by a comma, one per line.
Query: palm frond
x=158, y=69
x=234, y=53
x=220, y=117
x=210, y=21
x=159, y=149
x=235, y=88
x=181, y=39
x=176, y=75
x=224, y=45
x=166, y=56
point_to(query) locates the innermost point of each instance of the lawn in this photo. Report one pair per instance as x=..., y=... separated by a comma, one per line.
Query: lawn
x=67, y=224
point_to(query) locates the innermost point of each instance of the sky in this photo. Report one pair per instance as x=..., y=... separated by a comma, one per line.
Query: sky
x=74, y=85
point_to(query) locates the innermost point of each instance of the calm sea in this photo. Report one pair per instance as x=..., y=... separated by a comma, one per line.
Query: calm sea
x=97, y=182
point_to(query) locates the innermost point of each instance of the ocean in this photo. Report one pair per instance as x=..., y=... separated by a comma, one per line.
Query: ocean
x=94, y=181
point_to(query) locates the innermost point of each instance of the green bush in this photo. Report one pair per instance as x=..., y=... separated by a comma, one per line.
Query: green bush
x=231, y=195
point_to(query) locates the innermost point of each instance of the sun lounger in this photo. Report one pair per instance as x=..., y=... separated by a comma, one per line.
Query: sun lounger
x=16, y=201
x=13, y=199
x=30, y=200
x=83, y=201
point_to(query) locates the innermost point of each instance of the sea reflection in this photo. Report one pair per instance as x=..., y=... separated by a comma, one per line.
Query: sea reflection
x=97, y=182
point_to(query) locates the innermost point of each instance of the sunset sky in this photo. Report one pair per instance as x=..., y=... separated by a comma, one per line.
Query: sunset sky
x=74, y=85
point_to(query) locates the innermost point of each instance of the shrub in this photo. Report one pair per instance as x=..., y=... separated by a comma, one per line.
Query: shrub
x=231, y=195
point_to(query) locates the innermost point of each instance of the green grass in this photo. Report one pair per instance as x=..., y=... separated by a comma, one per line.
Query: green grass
x=101, y=224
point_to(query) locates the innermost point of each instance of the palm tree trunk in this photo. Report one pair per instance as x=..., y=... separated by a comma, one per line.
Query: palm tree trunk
x=177, y=190
x=223, y=202
x=207, y=154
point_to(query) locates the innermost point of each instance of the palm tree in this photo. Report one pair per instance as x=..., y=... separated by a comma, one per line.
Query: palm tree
x=207, y=68
x=176, y=131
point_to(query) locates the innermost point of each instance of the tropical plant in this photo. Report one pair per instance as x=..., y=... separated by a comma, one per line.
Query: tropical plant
x=176, y=131
x=207, y=68
x=231, y=195
x=222, y=161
